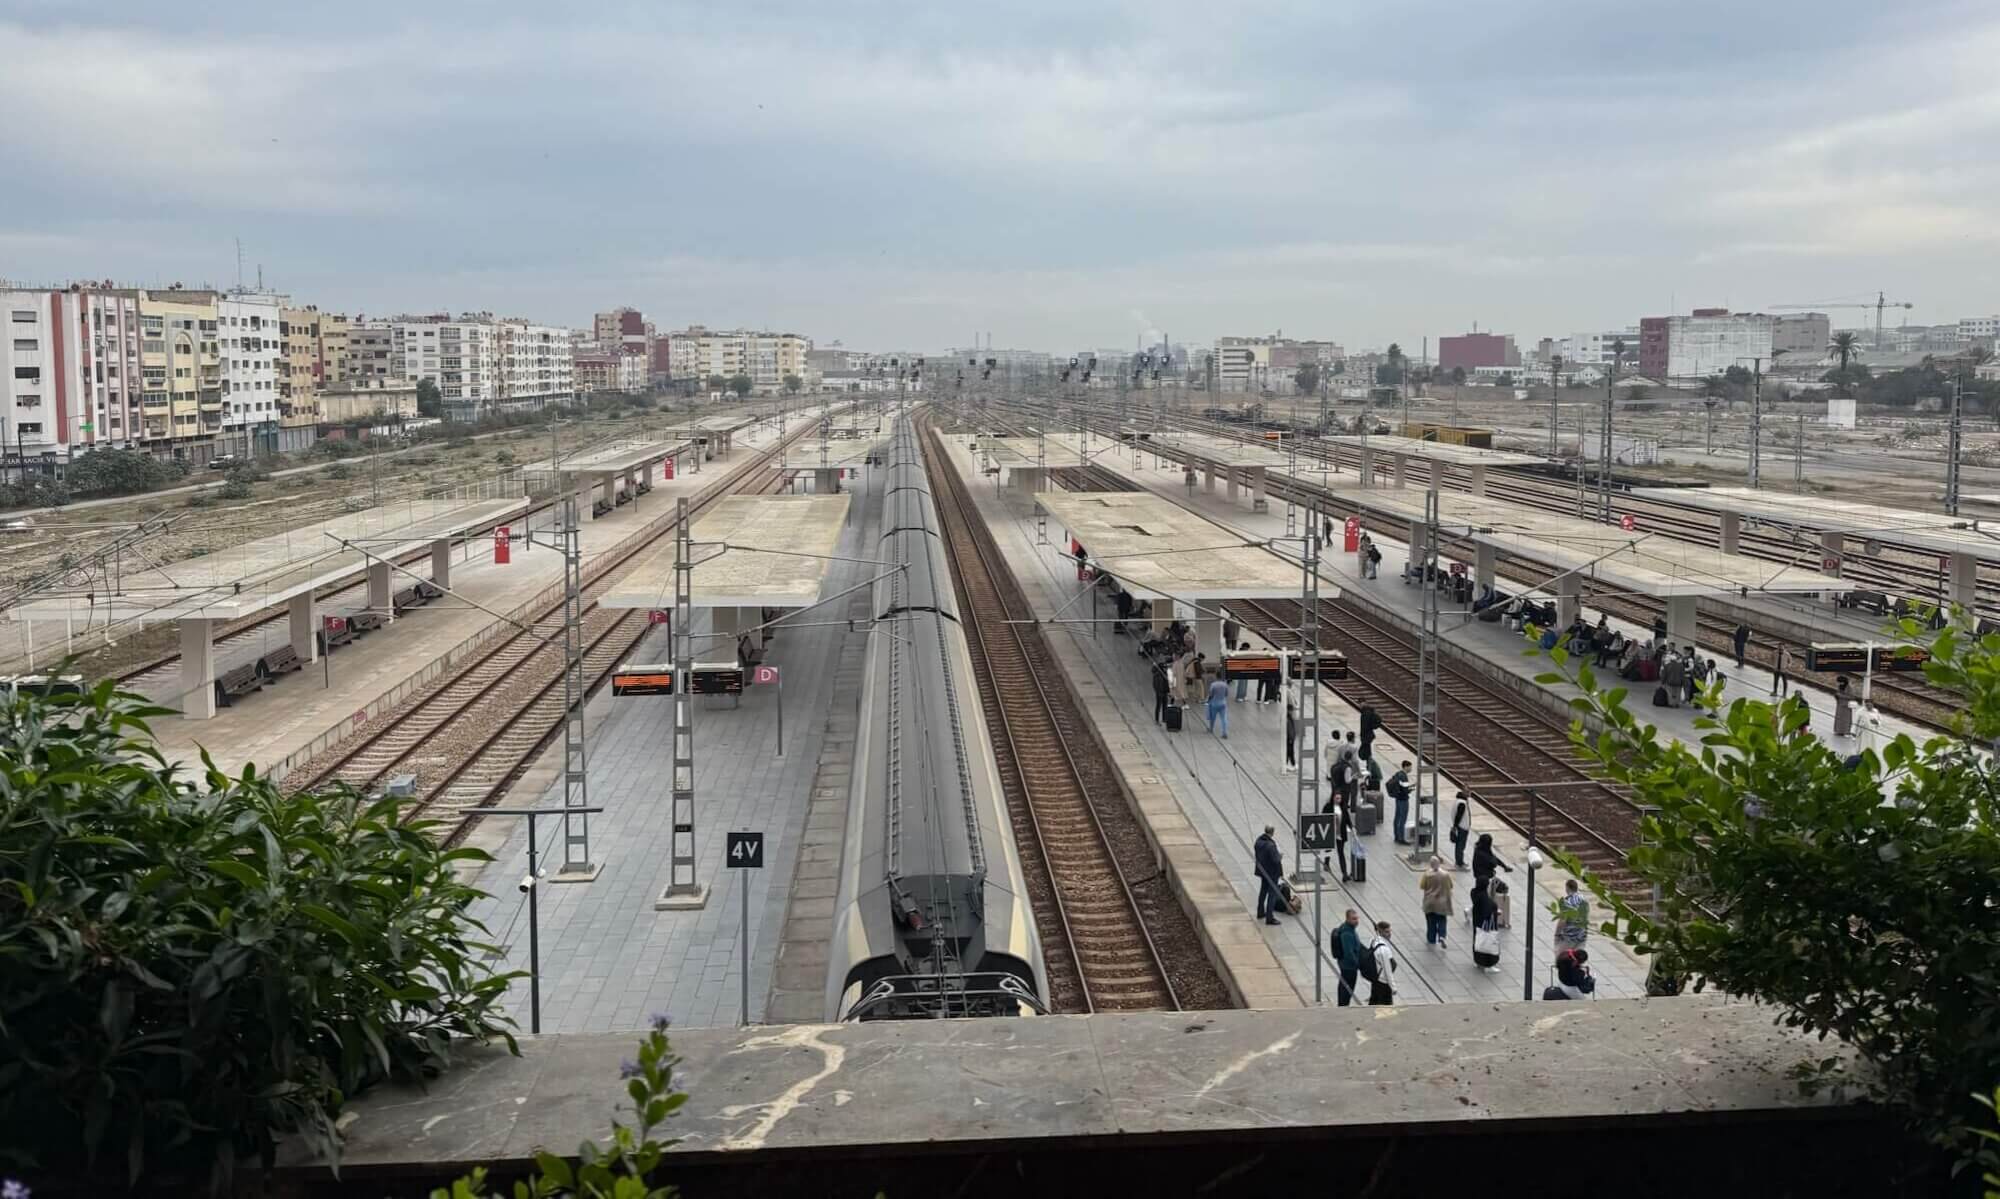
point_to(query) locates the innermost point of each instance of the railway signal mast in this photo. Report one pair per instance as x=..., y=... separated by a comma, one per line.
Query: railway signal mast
x=1308, y=741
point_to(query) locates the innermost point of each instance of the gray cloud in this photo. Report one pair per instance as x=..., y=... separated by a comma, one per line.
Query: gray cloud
x=1062, y=176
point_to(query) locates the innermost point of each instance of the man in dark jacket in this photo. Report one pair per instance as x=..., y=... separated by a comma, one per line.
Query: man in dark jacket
x=1399, y=790
x=1270, y=868
x=1162, y=688
x=1370, y=722
x=1347, y=951
x=1741, y=637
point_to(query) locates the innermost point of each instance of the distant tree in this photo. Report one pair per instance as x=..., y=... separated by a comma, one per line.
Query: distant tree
x=1847, y=346
x=1340, y=368
x=1306, y=378
x=430, y=401
x=740, y=385
x=1506, y=379
x=1714, y=385
x=717, y=383
x=1458, y=375
x=1739, y=375
x=793, y=383
x=117, y=472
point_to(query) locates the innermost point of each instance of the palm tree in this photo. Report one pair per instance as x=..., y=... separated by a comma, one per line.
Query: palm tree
x=1458, y=375
x=1848, y=346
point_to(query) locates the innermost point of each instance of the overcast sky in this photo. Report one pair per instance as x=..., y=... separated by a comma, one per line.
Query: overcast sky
x=1062, y=174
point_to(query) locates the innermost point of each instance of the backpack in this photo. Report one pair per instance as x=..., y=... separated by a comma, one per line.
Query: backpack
x=1659, y=697
x=1369, y=970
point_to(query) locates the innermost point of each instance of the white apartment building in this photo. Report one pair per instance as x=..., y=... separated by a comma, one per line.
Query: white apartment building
x=459, y=356
x=699, y=353
x=1978, y=328
x=1596, y=349
x=1710, y=343
x=534, y=365
x=1256, y=363
x=253, y=357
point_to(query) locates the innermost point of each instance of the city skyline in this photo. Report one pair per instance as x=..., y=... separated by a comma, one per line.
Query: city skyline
x=1059, y=178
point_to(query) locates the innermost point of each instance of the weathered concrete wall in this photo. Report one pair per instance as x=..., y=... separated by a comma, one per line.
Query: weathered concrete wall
x=1542, y=1094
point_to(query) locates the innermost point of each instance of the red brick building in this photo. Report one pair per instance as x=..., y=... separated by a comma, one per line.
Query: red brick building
x=1474, y=350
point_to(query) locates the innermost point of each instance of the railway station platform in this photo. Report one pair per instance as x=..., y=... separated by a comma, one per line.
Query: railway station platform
x=1402, y=452
x=612, y=951
x=1229, y=790
x=298, y=715
x=287, y=569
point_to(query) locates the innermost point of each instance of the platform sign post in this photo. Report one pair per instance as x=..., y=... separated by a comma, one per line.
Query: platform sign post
x=1350, y=538
x=1626, y=522
x=503, y=551
x=744, y=852
x=769, y=674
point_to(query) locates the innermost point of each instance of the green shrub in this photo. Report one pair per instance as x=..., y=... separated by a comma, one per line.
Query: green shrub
x=192, y=968
x=504, y=457
x=118, y=472
x=234, y=489
x=340, y=470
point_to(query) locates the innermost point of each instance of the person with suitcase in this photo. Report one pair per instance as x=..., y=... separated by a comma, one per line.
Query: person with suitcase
x=1163, y=693
x=1270, y=864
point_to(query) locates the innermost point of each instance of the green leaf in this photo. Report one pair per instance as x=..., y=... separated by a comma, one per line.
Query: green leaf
x=555, y=1170
x=240, y=871
x=348, y=930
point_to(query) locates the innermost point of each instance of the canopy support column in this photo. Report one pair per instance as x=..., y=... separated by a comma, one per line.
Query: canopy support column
x=198, y=668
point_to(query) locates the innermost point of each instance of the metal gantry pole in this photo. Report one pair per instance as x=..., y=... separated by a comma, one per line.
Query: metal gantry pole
x=682, y=879
x=1555, y=409
x=1954, y=443
x=1427, y=683
x=1756, y=422
x=1604, y=449
x=1799, y=456
x=1308, y=741
x=1041, y=481
x=576, y=775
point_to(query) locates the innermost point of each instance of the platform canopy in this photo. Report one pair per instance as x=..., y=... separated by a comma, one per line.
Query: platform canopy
x=729, y=571
x=615, y=458
x=1159, y=549
x=807, y=455
x=1440, y=451
x=1930, y=531
x=1638, y=561
x=1223, y=451
x=252, y=576
x=1020, y=451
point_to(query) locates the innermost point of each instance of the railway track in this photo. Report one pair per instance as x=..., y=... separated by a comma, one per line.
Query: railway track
x=471, y=734
x=1114, y=937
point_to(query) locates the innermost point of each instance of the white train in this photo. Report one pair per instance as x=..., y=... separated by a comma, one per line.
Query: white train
x=932, y=918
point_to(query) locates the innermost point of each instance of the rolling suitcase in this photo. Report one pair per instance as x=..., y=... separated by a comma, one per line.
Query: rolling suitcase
x=1173, y=716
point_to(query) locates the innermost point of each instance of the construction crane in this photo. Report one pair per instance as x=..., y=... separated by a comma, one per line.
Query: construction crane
x=1881, y=302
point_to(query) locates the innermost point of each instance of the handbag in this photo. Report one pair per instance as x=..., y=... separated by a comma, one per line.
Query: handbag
x=1486, y=940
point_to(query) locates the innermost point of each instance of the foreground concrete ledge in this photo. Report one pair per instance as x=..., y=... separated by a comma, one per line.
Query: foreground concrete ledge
x=1064, y=1079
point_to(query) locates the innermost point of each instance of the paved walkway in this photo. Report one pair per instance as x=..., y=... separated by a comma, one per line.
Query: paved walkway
x=609, y=959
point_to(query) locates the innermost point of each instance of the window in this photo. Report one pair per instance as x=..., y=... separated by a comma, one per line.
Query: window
x=24, y=316
x=27, y=427
x=27, y=343
x=28, y=401
x=32, y=374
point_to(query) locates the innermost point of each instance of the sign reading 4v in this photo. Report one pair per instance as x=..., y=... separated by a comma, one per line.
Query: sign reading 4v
x=744, y=851
x=1318, y=832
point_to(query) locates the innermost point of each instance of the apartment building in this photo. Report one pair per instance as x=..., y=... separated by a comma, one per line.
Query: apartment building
x=252, y=349
x=180, y=363
x=69, y=374
x=371, y=399
x=1709, y=341
x=330, y=365
x=460, y=356
x=534, y=365
x=700, y=353
x=599, y=370
x=299, y=367
x=371, y=351
x=1979, y=329
x=1803, y=334
x=1471, y=351
x=1594, y=349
